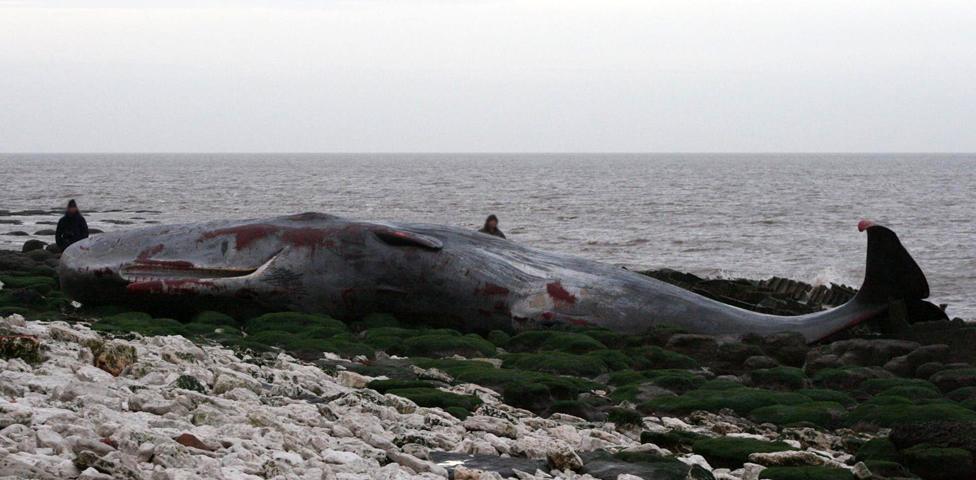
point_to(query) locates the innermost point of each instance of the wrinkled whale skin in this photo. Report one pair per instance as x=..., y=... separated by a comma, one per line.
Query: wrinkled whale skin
x=321, y=263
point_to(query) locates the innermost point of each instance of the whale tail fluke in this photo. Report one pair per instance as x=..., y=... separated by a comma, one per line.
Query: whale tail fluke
x=891, y=273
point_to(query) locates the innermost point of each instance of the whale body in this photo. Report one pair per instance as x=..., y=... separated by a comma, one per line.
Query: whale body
x=321, y=263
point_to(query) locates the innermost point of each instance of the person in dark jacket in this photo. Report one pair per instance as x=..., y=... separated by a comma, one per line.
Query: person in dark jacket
x=491, y=227
x=71, y=228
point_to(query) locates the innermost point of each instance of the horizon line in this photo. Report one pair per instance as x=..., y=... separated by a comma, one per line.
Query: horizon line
x=500, y=152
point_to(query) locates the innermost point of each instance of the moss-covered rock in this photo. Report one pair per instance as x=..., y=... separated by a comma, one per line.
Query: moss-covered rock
x=613, y=359
x=297, y=323
x=113, y=357
x=888, y=469
x=953, y=379
x=805, y=473
x=552, y=340
x=377, y=320
x=559, y=363
x=138, y=322
x=933, y=463
x=678, y=381
x=877, y=449
x=912, y=392
x=625, y=377
x=876, y=386
x=448, y=345
x=889, y=411
x=611, y=339
x=531, y=390
x=654, y=358
x=499, y=338
x=822, y=414
x=601, y=464
x=210, y=317
x=625, y=416
x=825, y=395
x=848, y=378
x=732, y=452
x=434, y=398
x=188, y=382
x=40, y=284
x=740, y=399
x=384, y=386
x=778, y=378
x=674, y=440
x=962, y=394
x=26, y=348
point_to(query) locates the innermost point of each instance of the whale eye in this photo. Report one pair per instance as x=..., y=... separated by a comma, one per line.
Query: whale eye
x=400, y=238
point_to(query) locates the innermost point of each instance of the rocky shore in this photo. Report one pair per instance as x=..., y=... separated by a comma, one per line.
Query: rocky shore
x=105, y=392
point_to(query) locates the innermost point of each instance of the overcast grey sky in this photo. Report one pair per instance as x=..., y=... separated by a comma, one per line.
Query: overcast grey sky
x=487, y=75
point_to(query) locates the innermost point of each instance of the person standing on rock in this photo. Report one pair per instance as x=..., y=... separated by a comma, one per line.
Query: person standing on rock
x=491, y=227
x=72, y=227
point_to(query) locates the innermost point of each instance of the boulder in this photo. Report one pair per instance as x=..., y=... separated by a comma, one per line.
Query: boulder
x=788, y=348
x=790, y=459
x=757, y=362
x=493, y=425
x=31, y=245
x=699, y=347
x=113, y=356
x=949, y=380
x=563, y=458
x=926, y=370
x=939, y=434
x=863, y=352
x=24, y=347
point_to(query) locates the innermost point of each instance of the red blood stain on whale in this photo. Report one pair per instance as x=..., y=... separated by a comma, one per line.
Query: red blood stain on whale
x=247, y=235
x=558, y=293
x=244, y=235
x=491, y=289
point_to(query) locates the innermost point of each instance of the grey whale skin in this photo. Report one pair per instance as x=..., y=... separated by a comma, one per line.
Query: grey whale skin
x=314, y=262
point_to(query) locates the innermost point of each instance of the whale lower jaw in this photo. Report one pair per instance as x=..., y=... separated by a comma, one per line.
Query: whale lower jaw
x=140, y=272
x=175, y=276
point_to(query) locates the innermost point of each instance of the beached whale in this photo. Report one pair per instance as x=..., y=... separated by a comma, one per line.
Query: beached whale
x=315, y=262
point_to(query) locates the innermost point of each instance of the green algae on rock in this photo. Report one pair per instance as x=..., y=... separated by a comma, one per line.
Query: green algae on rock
x=805, y=473
x=24, y=347
x=732, y=452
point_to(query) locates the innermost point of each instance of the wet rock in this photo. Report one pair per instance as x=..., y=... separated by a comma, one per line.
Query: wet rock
x=939, y=463
x=952, y=379
x=31, y=245
x=790, y=459
x=848, y=378
x=757, y=362
x=928, y=369
x=939, y=433
x=503, y=466
x=929, y=353
x=870, y=353
x=701, y=347
x=788, y=348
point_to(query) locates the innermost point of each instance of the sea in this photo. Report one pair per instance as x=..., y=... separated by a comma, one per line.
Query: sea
x=716, y=215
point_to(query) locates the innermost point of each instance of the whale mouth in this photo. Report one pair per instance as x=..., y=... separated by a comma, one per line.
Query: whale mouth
x=146, y=270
